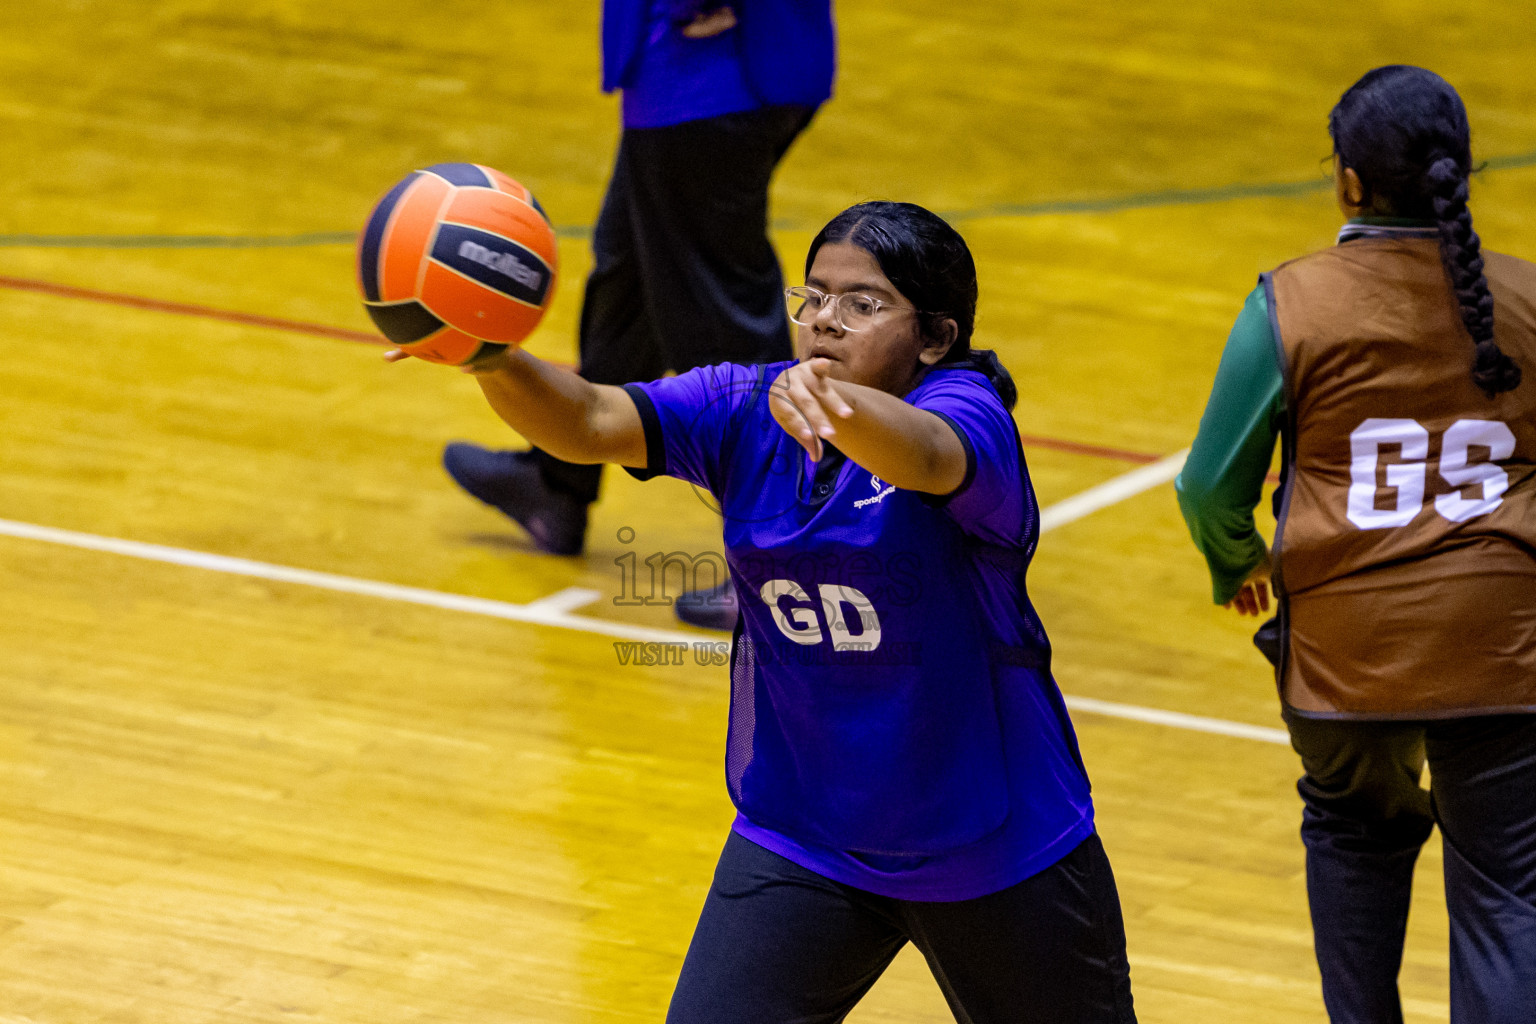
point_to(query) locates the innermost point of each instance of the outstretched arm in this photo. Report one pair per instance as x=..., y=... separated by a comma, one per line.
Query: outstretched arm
x=899, y=443
x=571, y=418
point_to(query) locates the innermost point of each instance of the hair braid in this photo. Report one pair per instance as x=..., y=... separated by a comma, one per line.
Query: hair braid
x=1461, y=252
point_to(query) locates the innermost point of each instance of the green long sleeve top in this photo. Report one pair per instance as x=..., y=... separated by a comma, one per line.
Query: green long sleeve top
x=1223, y=478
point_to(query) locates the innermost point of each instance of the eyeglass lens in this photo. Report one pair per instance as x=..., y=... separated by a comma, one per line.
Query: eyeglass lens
x=854, y=311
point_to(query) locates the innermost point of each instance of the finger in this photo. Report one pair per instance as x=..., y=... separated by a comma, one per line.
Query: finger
x=809, y=405
x=1245, y=600
x=704, y=26
x=809, y=441
x=394, y=355
x=791, y=417
x=824, y=392
x=1240, y=600
x=825, y=389
x=1262, y=589
x=802, y=431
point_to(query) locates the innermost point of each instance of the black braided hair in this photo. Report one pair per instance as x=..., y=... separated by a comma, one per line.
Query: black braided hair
x=931, y=266
x=1404, y=131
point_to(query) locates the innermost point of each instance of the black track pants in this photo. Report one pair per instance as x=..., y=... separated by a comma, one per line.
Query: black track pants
x=778, y=944
x=1364, y=820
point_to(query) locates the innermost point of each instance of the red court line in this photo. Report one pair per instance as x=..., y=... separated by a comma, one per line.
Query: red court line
x=1100, y=451
x=1078, y=448
x=68, y=291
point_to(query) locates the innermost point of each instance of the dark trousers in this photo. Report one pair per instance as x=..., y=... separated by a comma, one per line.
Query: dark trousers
x=683, y=273
x=1364, y=820
x=777, y=944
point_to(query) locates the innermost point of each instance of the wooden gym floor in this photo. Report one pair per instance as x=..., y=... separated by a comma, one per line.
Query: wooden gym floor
x=231, y=795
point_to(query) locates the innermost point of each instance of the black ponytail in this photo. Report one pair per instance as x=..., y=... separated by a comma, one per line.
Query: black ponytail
x=931, y=266
x=1404, y=131
x=985, y=362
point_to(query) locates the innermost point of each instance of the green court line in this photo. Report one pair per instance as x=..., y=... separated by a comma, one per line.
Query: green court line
x=1143, y=200
x=1191, y=196
x=1106, y=204
x=205, y=241
x=1499, y=163
x=177, y=241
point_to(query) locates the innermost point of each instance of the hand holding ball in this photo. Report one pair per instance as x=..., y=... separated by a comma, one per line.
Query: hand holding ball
x=456, y=262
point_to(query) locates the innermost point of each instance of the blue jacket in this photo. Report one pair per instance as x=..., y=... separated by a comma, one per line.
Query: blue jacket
x=786, y=48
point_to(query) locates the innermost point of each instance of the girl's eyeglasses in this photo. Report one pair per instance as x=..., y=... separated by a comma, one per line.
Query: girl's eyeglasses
x=852, y=311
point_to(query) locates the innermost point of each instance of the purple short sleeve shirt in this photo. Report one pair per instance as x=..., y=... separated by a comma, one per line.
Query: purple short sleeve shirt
x=895, y=726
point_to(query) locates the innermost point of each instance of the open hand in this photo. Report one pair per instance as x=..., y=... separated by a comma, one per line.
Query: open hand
x=806, y=402
x=485, y=364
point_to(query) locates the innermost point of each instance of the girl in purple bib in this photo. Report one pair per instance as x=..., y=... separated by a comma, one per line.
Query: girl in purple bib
x=899, y=755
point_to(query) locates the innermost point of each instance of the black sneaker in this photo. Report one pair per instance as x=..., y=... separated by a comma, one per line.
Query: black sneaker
x=715, y=608
x=513, y=483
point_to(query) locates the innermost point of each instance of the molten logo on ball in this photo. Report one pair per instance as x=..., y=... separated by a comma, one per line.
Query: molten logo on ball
x=501, y=262
x=497, y=262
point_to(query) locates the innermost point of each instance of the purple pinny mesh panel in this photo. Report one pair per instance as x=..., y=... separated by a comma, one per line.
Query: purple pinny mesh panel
x=1031, y=525
x=738, y=744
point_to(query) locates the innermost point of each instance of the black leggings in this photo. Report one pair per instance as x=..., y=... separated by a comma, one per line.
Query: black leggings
x=778, y=944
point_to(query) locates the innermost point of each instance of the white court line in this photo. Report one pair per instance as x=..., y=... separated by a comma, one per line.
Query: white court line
x=567, y=600
x=534, y=613
x=1112, y=492
x=555, y=610
x=1179, y=720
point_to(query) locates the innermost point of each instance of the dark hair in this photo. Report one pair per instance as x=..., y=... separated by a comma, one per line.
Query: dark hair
x=1404, y=131
x=931, y=266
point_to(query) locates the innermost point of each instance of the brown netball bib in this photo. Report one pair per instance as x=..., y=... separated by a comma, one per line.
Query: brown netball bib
x=1406, y=548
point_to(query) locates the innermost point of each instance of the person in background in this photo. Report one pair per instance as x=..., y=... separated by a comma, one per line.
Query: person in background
x=1404, y=558
x=683, y=273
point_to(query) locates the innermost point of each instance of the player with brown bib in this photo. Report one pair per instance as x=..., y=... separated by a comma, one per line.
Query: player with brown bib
x=1404, y=559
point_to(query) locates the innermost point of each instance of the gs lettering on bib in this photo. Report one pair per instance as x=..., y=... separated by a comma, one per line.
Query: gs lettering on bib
x=1383, y=495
